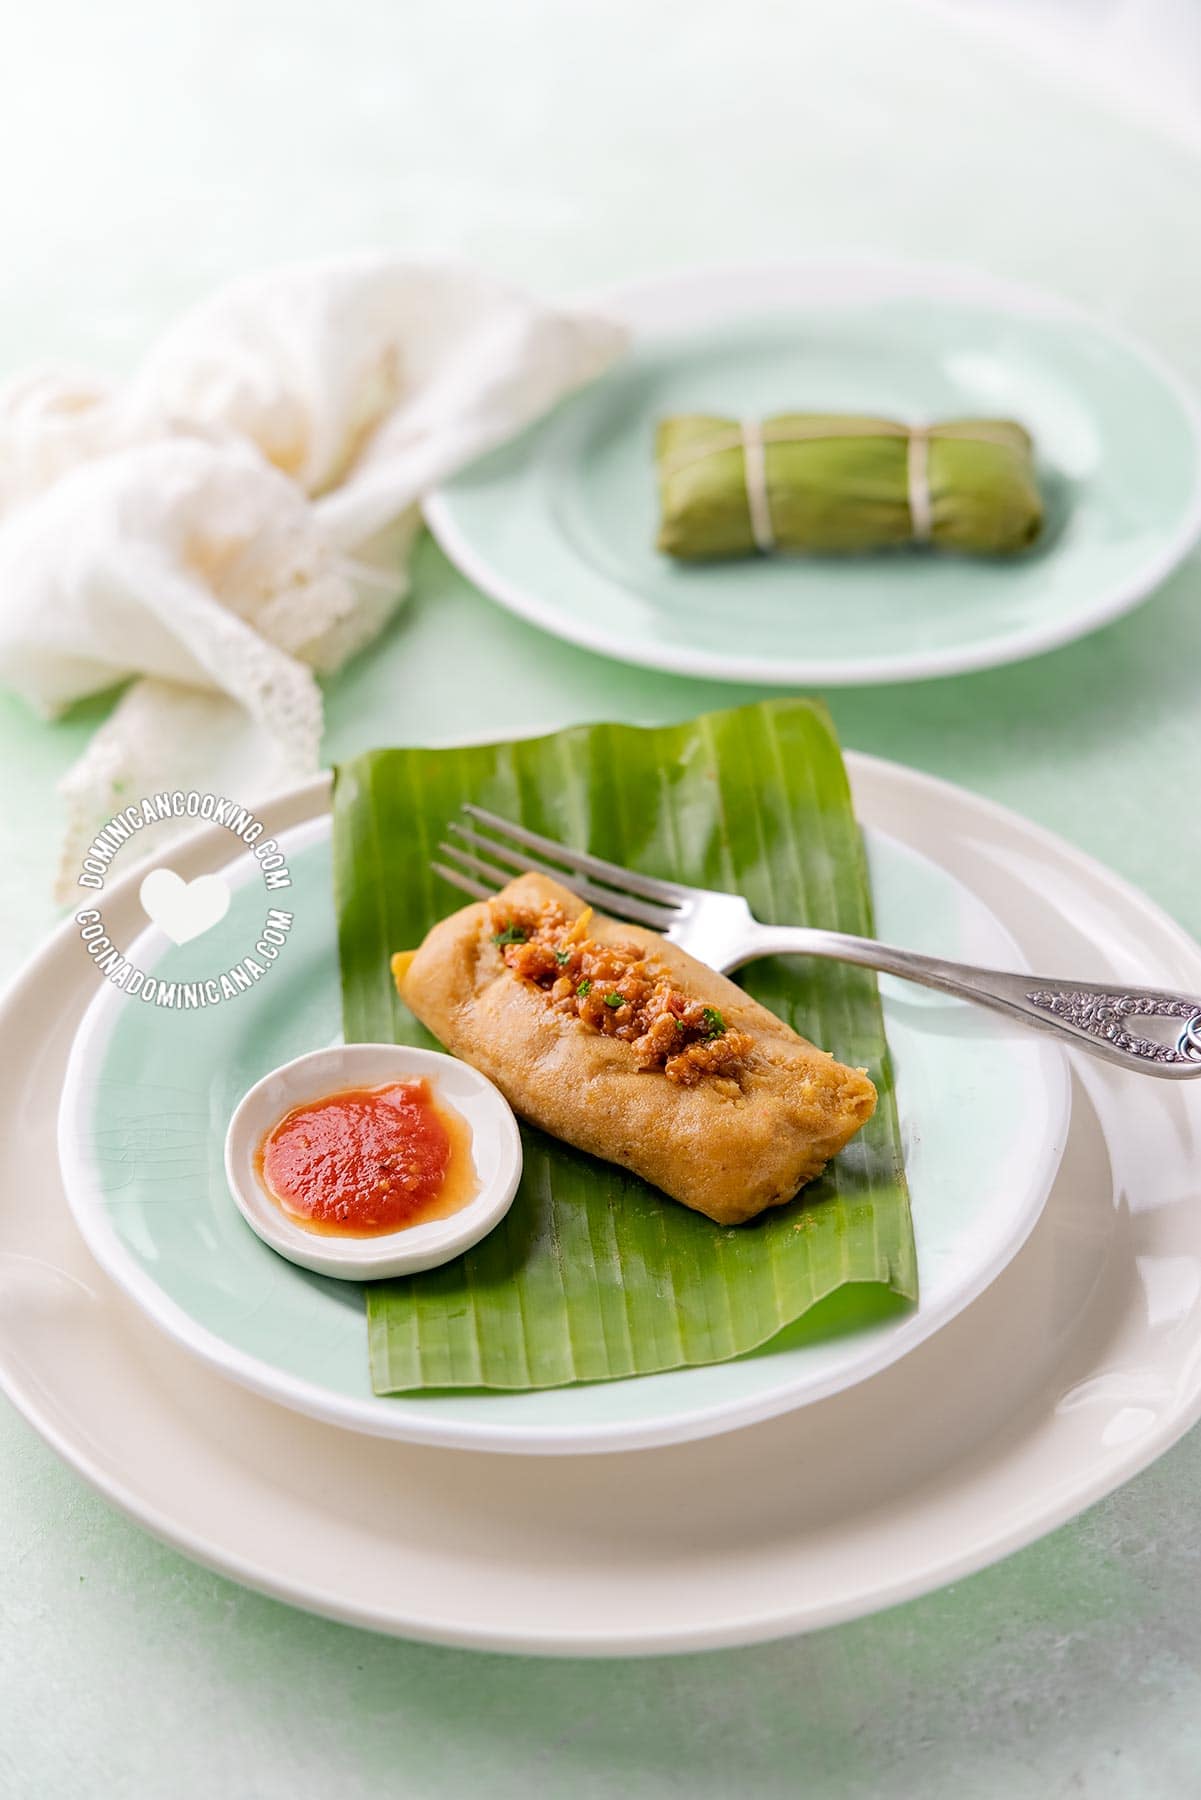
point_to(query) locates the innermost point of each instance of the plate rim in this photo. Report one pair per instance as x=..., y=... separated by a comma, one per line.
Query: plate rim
x=1066, y=1499
x=942, y=280
x=397, y=1419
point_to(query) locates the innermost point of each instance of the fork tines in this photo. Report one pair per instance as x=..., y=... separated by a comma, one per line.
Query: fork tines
x=623, y=892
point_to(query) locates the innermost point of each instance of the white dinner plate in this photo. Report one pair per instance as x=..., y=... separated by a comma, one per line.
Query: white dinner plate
x=559, y=525
x=1079, y=1365
x=147, y=1096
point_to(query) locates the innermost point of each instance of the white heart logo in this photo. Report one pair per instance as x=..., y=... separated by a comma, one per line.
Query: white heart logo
x=184, y=909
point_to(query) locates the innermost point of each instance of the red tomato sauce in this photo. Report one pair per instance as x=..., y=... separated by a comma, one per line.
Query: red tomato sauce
x=368, y=1160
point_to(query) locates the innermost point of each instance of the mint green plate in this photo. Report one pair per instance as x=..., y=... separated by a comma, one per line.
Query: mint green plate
x=149, y=1093
x=559, y=525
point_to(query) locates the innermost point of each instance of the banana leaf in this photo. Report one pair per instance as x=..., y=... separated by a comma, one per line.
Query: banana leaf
x=594, y=1275
x=836, y=483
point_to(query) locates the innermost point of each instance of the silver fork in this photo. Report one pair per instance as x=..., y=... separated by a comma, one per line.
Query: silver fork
x=720, y=929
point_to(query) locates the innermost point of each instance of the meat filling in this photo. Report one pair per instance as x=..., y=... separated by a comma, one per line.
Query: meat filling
x=616, y=990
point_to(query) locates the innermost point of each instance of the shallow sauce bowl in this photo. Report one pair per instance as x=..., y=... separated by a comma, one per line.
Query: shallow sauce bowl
x=495, y=1152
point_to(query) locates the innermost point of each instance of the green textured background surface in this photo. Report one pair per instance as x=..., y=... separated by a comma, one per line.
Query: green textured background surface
x=568, y=144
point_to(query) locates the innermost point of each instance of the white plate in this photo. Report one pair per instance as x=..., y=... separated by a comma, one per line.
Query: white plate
x=559, y=525
x=1079, y=1365
x=147, y=1093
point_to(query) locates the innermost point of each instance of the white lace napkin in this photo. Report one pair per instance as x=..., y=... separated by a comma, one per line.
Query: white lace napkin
x=237, y=518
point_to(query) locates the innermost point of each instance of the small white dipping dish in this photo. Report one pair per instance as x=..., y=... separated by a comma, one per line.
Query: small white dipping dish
x=495, y=1151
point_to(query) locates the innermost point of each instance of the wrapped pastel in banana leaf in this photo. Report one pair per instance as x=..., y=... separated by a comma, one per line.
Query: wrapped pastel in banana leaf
x=834, y=483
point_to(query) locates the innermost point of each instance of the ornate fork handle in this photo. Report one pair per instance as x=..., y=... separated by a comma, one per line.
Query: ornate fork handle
x=1112, y=1022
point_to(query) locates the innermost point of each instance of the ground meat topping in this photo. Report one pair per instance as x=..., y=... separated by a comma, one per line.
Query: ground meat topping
x=615, y=989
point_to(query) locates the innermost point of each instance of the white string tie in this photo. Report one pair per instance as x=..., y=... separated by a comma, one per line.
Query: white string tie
x=921, y=509
x=758, y=503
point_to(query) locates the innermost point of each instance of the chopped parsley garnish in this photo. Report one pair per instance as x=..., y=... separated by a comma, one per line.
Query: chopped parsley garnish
x=512, y=934
x=615, y=1000
x=585, y=987
x=562, y=957
x=714, y=1023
